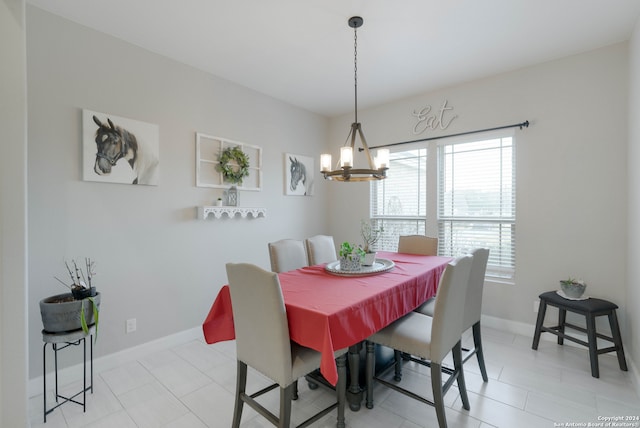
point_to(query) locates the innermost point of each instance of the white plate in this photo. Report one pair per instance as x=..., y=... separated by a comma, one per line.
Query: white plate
x=379, y=266
x=561, y=294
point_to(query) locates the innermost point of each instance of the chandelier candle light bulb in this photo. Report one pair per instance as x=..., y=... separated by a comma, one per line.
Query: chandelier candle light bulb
x=325, y=162
x=346, y=156
x=382, y=158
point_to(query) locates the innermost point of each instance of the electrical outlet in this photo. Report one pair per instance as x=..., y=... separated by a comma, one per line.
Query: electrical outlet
x=536, y=305
x=131, y=325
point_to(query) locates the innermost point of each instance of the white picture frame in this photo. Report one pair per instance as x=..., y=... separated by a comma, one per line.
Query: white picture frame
x=299, y=175
x=117, y=149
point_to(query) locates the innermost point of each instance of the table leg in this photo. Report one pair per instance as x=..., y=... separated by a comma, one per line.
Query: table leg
x=341, y=363
x=354, y=394
x=370, y=361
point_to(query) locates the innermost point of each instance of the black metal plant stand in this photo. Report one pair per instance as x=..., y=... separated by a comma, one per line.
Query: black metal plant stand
x=60, y=341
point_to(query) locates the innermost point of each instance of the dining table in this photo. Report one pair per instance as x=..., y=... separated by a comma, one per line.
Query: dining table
x=328, y=310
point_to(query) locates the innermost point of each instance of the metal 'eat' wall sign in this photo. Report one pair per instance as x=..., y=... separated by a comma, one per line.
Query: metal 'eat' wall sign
x=426, y=119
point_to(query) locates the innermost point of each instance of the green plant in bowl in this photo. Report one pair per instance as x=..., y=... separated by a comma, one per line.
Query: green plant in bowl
x=573, y=287
x=351, y=257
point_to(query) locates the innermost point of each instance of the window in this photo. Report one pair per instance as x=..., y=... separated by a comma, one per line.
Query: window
x=398, y=203
x=461, y=191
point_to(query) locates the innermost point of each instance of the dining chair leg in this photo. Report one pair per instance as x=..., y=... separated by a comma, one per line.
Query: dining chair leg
x=438, y=394
x=285, y=406
x=477, y=342
x=294, y=395
x=241, y=384
x=369, y=372
x=459, y=373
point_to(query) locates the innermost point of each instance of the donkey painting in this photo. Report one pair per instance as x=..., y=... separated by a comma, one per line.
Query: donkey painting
x=299, y=175
x=115, y=143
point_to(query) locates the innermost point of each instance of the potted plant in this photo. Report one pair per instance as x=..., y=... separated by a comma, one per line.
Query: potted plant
x=350, y=257
x=573, y=288
x=76, y=309
x=219, y=202
x=370, y=235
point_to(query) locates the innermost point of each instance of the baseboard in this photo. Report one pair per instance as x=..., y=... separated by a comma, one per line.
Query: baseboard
x=528, y=329
x=116, y=359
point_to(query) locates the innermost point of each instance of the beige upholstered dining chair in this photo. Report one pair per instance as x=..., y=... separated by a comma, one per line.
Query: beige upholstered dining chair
x=472, y=307
x=287, y=254
x=320, y=249
x=263, y=343
x=429, y=339
x=418, y=244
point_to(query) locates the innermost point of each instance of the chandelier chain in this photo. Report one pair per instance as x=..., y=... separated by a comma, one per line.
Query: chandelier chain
x=355, y=70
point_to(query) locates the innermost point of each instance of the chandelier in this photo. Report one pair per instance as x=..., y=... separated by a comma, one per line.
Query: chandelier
x=345, y=171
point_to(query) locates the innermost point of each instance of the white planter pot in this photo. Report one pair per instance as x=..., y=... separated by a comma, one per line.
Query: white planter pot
x=349, y=265
x=369, y=259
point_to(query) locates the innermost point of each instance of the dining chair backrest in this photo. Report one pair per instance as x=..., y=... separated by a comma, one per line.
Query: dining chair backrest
x=260, y=321
x=320, y=249
x=287, y=254
x=473, y=305
x=446, y=329
x=418, y=244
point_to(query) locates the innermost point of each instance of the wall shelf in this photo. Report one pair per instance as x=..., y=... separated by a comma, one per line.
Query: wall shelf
x=218, y=212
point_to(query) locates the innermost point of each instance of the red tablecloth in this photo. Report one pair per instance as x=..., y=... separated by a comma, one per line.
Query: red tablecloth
x=328, y=312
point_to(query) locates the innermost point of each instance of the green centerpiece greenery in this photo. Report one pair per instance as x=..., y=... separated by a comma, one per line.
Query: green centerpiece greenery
x=351, y=256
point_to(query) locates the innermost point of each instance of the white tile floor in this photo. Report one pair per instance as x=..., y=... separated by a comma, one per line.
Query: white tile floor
x=191, y=385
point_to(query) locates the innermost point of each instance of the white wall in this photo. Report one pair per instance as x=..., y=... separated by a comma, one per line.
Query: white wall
x=571, y=171
x=155, y=261
x=13, y=225
x=633, y=281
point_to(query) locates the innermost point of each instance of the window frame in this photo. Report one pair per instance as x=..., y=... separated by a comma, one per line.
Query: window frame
x=432, y=184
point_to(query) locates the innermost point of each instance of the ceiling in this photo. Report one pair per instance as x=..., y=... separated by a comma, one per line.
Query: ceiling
x=302, y=51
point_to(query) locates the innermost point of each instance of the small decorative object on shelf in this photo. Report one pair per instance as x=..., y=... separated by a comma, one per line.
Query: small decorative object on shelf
x=370, y=235
x=573, y=288
x=78, y=309
x=351, y=257
x=232, y=196
x=219, y=202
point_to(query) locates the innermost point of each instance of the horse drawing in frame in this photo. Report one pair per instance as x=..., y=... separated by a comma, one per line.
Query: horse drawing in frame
x=114, y=143
x=299, y=177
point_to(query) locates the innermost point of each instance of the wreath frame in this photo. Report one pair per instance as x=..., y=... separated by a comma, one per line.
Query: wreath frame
x=229, y=173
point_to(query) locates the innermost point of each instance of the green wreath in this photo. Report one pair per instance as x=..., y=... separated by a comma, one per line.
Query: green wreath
x=233, y=173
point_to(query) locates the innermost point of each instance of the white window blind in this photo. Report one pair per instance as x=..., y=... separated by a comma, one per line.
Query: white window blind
x=398, y=203
x=463, y=192
x=476, y=201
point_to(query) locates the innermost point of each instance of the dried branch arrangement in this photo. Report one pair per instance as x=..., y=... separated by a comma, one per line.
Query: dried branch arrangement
x=79, y=279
